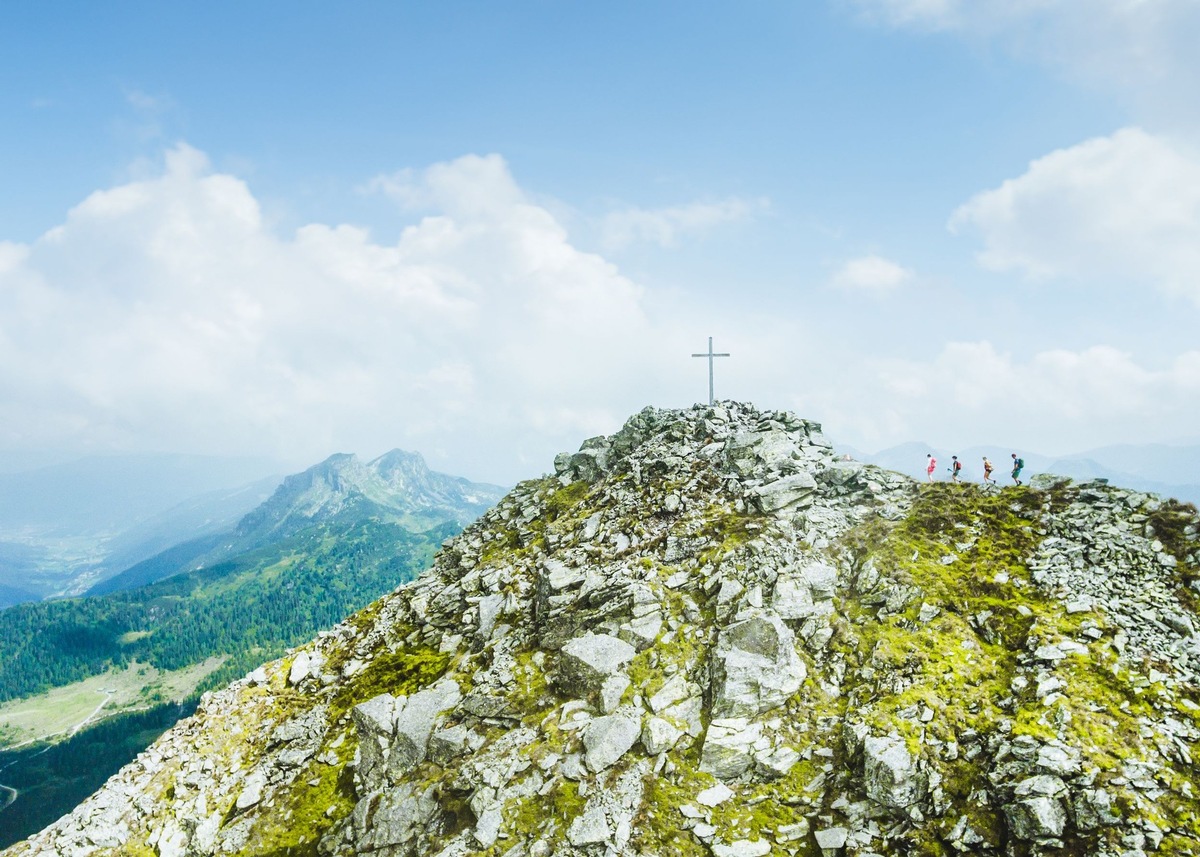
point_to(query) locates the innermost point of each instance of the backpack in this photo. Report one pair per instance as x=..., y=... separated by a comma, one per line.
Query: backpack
x=1020, y=463
x=957, y=466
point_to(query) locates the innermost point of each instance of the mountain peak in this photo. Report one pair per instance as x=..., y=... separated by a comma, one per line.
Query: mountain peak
x=398, y=460
x=709, y=634
x=396, y=486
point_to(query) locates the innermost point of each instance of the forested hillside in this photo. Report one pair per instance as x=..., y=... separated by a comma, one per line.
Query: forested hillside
x=249, y=608
x=51, y=780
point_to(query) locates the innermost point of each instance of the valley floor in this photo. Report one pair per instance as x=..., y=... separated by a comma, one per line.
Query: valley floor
x=63, y=711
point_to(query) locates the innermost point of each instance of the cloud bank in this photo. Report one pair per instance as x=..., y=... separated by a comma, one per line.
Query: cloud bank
x=164, y=313
x=1131, y=45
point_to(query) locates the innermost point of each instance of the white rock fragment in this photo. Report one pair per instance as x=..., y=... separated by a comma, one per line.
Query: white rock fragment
x=714, y=796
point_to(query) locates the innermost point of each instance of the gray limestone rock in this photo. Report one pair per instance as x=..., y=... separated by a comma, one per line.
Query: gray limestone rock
x=375, y=722
x=1037, y=811
x=448, y=744
x=607, y=739
x=399, y=817
x=786, y=492
x=252, y=789
x=414, y=722
x=729, y=745
x=590, y=827
x=831, y=839
x=755, y=667
x=1093, y=809
x=659, y=735
x=742, y=848
x=890, y=774
x=586, y=662
x=792, y=599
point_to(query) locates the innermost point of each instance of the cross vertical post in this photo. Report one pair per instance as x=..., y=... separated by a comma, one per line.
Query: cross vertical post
x=710, y=355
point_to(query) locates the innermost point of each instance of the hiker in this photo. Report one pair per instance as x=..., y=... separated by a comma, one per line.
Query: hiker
x=987, y=472
x=930, y=466
x=1018, y=466
x=955, y=468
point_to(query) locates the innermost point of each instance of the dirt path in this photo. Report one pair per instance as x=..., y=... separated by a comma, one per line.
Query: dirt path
x=108, y=695
x=9, y=795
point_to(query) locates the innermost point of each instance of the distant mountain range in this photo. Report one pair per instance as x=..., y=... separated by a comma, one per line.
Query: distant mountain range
x=396, y=488
x=1172, y=471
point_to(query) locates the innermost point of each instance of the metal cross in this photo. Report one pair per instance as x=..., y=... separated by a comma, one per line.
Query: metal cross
x=710, y=355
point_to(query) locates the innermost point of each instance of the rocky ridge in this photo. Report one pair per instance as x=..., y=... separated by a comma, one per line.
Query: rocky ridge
x=708, y=634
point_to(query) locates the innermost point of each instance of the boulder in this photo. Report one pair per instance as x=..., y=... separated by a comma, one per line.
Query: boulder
x=792, y=599
x=607, y=739
x=401, y=814
x=590, y=827
x=1037, y=811
x=890, y=773
x=375, y=723
x=755, y=667
x=781, y=494
x=414, y=721
x=305, y=665
x=659, y=735
x=586, y=662
x=1093, y=809
x=743, y=848
x=728, y=750
x=831, y=839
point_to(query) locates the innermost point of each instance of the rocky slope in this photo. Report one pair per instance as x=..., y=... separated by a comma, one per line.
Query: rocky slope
x=708, y=634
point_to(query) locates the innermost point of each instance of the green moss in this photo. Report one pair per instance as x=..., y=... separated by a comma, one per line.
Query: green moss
x=531, y=692
x=320, y=797
x=1169, y=524
x=729, y=531
x=565, y=499
x=500, y=547
x=548, y=815
x=963, y=662
x=656, y=826
x=403, y=672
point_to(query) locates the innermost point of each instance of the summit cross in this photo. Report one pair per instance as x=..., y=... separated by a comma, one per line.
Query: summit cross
x=710, y=355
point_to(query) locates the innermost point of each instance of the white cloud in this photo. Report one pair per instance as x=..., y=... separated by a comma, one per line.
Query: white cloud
x=164, y=313
x=871, y=274
x=1144, y=47
x=667, y=226
x=1125, y=206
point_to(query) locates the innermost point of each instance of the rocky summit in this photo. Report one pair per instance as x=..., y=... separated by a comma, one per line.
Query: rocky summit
x=710, y=634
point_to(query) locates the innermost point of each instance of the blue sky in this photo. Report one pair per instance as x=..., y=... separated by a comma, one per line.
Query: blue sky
x=486, y=231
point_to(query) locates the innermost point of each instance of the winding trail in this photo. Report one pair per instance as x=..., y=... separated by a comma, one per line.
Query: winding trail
x=9, y=795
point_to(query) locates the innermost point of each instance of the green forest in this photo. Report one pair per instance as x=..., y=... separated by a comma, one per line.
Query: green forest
x=250, y=608
x=52, y=780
